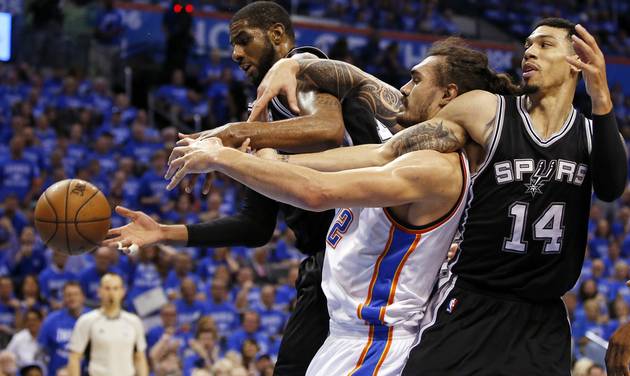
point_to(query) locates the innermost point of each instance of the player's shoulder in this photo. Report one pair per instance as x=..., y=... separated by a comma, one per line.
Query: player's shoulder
x=431, y=159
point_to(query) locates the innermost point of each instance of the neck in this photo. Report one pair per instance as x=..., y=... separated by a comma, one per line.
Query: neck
x=550, y=109
x=76, y=312
x=111, y=310
x=283, y=49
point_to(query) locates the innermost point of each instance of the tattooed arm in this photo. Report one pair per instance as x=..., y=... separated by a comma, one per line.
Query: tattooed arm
x=470, y=116
x=340, y=79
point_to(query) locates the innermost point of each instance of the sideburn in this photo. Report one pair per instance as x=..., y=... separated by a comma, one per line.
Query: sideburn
x=267, y=59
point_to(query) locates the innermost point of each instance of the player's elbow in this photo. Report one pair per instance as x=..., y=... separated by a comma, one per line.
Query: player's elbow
x=260, y=233
x=313, y=198
x=609, y=192
x=331, y=135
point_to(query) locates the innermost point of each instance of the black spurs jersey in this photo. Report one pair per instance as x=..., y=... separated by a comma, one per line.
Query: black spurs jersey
x=524, y=232
x=311, y=228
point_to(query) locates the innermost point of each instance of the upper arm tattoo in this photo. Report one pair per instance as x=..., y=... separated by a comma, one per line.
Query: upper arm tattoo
x=429, y=135
x=344, y=80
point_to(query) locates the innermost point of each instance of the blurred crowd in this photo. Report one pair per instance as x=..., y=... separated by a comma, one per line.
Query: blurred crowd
x=219, y=311
x=608, y=21
x=56, y=125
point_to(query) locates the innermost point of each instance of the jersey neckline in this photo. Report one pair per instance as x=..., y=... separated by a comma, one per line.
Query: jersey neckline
x=529, y=127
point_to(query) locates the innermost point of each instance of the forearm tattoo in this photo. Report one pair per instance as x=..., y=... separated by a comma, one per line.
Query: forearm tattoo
x=430, y=135
x=344, y=80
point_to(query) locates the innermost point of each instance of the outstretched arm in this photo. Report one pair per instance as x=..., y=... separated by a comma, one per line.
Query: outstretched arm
x=321, y=127
x=608, y=156
x=338, y=78
x=405, y=180
x=469, y=115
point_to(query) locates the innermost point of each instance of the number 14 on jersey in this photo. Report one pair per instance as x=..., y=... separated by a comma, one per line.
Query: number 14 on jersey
x=548, y=228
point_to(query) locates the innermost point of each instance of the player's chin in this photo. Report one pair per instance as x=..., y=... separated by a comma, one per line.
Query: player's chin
x=405, y=120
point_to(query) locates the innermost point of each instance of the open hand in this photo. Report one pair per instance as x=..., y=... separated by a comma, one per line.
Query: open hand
x=590, y=60
x=142, y=230
x=192, y=157
x=280, y=79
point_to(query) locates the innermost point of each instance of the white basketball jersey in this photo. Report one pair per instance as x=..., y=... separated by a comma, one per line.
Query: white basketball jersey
x=378, y=271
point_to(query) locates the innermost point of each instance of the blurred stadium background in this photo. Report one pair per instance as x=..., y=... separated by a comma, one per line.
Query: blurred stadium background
x=98, y=90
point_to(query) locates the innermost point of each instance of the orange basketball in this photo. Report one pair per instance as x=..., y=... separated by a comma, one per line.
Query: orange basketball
x=72, y=216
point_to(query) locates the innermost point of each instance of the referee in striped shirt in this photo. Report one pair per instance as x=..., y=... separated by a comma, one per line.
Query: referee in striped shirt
x=115, y=337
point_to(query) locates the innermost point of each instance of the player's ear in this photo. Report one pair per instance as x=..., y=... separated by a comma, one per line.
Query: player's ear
x=575, y=70
x=276, y=33
x=450, y=92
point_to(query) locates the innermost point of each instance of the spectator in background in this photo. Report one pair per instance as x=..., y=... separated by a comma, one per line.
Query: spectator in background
x=182, y=268
x=99, y=99
x=245, y=294
x=168, y=316
x=105, y=46
x=24, y=343
x=250, y=329
x=184, y=212
x=46, y=24
x=45, y=134
x=30, y=298
x=12, y=211
x=222, y=311
x=90, y=278
x=212, y=68
x=260, y=265
x=189, y=309
x=104, y=154
x=249, y=350
x=164, y=355
x=175, y=92
x=145, y=275
x=54, y=278
x=592, y=321
x=57, y=327
x=271, y=319
x=598, y=246
x=153, y=195
x=116, y=337
x=8, y=245
x=18, y=175
x=30, y=258
x=216, y=257
x=177, y=27
x=143, y=150
x=9, y=311
x=221, y=105
x=203, y=352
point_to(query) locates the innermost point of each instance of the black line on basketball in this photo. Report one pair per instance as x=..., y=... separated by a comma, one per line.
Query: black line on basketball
x=76, y=215
x=56, y=224
x=88, y=221
x=76, y=227
x=66, y=218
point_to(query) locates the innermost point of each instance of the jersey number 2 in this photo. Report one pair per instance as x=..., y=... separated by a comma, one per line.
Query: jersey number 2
x=344, y=219
x=549, y=228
